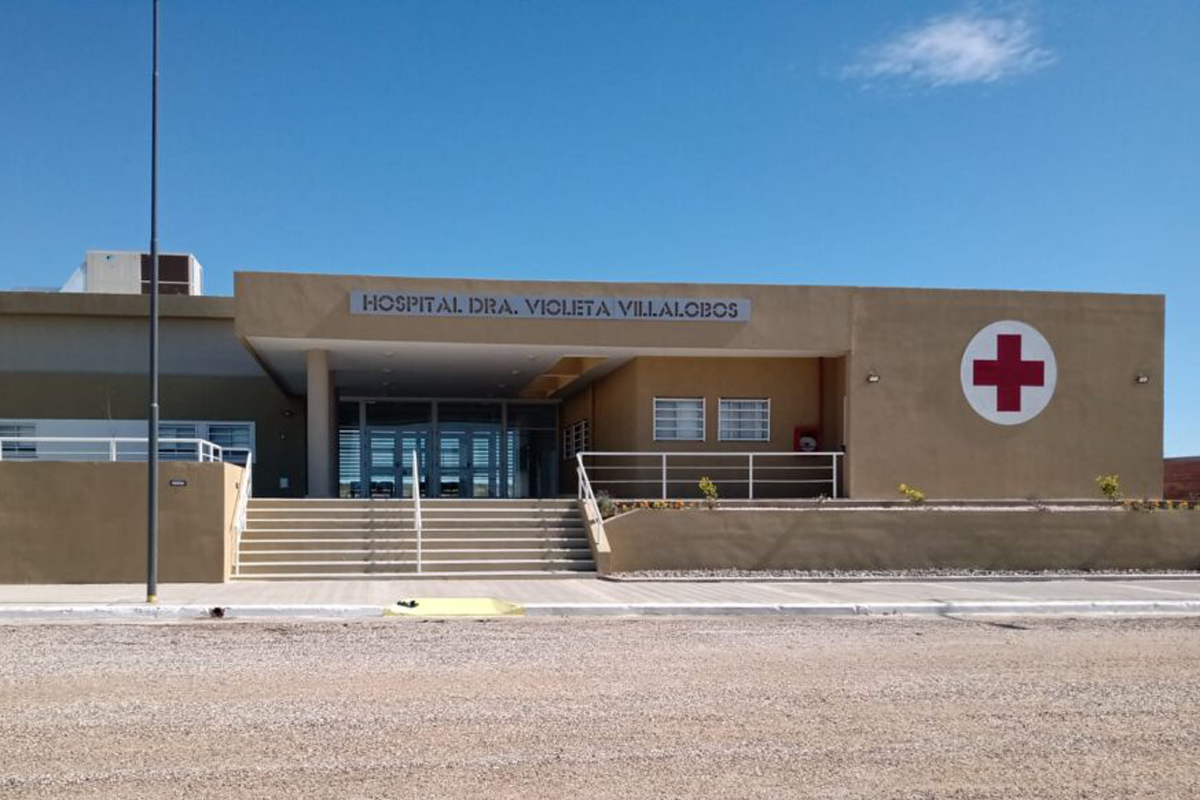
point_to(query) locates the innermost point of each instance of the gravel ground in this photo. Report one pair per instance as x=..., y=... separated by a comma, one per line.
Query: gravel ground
x=665, y=708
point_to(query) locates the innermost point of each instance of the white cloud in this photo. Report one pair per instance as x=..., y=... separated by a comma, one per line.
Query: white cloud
x=966, y=47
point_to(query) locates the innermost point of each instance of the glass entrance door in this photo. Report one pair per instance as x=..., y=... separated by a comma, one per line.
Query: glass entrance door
x=390, y=461
x=468, y=461
x=466, y=448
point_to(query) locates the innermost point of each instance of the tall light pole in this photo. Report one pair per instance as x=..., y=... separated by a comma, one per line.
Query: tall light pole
x=152, y=422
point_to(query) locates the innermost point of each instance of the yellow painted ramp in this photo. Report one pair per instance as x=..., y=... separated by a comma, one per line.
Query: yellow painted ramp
x=454, y=607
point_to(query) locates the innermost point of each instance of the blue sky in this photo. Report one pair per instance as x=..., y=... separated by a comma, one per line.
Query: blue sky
x=1013, y=145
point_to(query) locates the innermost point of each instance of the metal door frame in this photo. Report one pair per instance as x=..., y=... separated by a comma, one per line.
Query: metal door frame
x=431, y=466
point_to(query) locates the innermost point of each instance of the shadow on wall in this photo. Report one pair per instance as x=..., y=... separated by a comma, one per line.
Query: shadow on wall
x=904, y=539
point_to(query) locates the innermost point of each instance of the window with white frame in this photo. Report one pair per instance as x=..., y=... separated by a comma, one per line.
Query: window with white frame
x=744, y=420
x=234, y=435
x=169, y=450
x=14, y=449
x=576, y=438
x=679, y=419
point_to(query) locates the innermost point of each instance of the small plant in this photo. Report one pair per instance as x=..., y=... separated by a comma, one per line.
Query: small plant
x=1110, y=486
x=605, y=503
x=912, y=494
x=709, y=490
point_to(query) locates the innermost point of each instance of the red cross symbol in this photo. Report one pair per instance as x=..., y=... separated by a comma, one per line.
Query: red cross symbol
x=1008, y=373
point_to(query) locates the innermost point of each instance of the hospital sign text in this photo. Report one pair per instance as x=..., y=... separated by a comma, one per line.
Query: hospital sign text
x=507, y=306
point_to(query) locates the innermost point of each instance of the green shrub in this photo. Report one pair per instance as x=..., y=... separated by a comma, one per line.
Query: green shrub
x=605, y=504
x=709, y=490
x=1110, y=486
x=912, y=494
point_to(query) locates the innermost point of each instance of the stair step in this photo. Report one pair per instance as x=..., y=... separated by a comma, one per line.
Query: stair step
x=259, y=545
x=499, y=574
x=409, y=554
x=307, y=539
x=359, y=530
x=407, y=565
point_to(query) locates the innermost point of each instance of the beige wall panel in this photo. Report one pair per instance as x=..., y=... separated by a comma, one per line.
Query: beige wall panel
x=813, y=319
x=576, y=407
x=833, y=390
x=624, y=420
x=115, y=305
x=915, y=426
x=72, y=522
x=99, y=344
x=280, y=438
x=614, y=412
x=904, y=540
x=791, y=384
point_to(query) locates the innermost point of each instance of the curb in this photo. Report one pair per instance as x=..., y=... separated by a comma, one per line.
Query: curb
x=932, y=608
x=142, y=611
x=115, y=613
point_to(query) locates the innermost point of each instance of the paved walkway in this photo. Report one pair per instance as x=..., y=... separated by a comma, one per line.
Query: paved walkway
x=589, y=595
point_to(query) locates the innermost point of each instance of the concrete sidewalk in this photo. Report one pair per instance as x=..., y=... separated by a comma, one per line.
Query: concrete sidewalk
x=577, y=596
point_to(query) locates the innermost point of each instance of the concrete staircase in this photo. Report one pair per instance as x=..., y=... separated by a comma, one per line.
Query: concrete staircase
x=328, y=539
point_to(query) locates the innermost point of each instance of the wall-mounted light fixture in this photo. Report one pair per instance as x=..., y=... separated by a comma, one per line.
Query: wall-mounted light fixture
x=872, y=377
x=1141, y=377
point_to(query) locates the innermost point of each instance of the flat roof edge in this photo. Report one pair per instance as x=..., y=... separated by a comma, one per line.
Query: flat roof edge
x=543, y=282
x=85, y=304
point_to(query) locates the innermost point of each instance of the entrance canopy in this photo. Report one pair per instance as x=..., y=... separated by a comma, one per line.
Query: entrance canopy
x=467, y=409
x=476, y=370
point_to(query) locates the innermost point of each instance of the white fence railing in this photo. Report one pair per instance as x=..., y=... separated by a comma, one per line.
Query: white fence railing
x=641, y=475
x=116, y=448
x=416, y=493
x=591, y=506
x=240, y=514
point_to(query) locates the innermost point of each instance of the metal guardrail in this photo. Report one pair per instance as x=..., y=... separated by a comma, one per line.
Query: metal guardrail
x=240, y=511
x=775, y=474
x=115, y=448
x=591, y=506
x=416, y=478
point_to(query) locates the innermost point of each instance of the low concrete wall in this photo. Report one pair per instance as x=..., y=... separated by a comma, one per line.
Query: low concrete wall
x=904, y=539
x=71, y=522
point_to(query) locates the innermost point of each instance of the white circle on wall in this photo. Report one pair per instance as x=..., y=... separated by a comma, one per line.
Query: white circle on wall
x=1008, y=372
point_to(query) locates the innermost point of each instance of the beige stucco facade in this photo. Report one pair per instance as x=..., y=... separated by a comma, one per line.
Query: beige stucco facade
x=809, y=350
x=66, y=522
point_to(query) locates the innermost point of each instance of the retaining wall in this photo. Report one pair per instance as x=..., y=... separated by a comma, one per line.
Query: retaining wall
x=85, y=522
x=902, y=539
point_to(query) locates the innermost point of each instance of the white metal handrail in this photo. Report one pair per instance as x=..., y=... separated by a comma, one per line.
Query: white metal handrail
x=416, y=476
x=240, y=511
x=591, y=506
x=822, y=465
x=100, y=448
